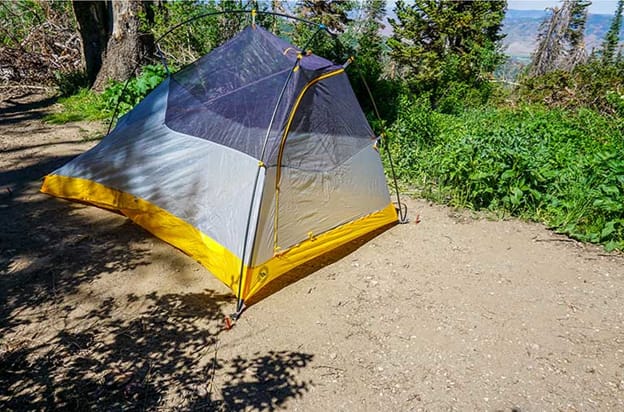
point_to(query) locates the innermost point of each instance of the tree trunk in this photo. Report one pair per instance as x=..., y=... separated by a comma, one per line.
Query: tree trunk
x=112, y=41
x=93, y=24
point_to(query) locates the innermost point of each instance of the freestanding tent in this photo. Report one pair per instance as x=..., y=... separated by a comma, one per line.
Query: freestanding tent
x=253, y=160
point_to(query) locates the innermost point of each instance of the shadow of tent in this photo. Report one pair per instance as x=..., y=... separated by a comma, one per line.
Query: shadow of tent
x=315, y=265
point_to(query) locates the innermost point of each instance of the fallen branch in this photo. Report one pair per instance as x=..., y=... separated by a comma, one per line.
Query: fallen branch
x=555, y=240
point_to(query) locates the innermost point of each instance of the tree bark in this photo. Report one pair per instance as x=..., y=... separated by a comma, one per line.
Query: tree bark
x=93, y=24
x=112, y=40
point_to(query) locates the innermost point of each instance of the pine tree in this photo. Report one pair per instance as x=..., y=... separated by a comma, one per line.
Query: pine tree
x=276, y=7
x=364, y=37
x=575, y=34
x=436, y=42
x=370, y=43
x=610, y=45
x=561, y=42
x=550, y=45
x=333, y=14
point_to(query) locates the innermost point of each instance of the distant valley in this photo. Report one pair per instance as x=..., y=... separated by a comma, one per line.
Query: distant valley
x=522, y=26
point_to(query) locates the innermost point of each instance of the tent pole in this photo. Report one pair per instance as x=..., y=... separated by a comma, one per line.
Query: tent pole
x=402, y=207
x=240, y=303
x=281, y=95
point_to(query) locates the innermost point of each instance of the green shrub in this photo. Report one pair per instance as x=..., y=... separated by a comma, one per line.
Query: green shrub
x=458, y=96
x=616, y=101
x=591, y=85
x=414, y=131
x=88, y=105
x=125, y=97
x=560, y=167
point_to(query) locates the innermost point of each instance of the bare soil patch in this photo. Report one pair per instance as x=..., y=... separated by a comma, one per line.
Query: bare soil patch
x=456, y=312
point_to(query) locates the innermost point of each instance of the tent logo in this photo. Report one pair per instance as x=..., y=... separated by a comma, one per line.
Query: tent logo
x=263, y=273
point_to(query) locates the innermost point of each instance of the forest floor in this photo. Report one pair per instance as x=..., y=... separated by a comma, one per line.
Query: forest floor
x=454, y=312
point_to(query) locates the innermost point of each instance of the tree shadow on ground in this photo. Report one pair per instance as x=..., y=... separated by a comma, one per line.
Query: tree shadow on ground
x=139, y=352
x=166, y=356
x=48, y=249
x=14, y=110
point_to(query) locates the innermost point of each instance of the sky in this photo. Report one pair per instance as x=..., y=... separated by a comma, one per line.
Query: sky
x=597, y=7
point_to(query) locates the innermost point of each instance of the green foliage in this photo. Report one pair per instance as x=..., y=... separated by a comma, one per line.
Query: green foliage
x=370, y=44
x=616, y=102
x=593, y=85
x=575, y=32
x=370, y=56
x=612, y=38
x=459, y=96
x=560, y=167
x=190, y=41
x=83, y=105
x=89, y=105
x=438, y=44
x=331, y=13
x=125, y=97
x=18, y=19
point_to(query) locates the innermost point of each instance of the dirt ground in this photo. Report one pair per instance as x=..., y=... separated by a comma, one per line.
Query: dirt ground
x=457, y=312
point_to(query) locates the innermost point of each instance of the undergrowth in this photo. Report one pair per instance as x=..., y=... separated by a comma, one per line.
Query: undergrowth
x=89, y=105
x=84, y=105
x=559, y=167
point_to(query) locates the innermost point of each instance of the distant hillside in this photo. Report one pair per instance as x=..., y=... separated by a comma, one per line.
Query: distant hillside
x=521, y=27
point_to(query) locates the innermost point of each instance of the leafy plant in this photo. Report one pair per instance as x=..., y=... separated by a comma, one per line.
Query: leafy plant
x=559, y=167
x=125, y=97
x=89, y=105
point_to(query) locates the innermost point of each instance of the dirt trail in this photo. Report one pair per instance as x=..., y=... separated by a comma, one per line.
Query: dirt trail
x=457, y=312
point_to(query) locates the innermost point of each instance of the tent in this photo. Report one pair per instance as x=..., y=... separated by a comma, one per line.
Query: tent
x=253, y=160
